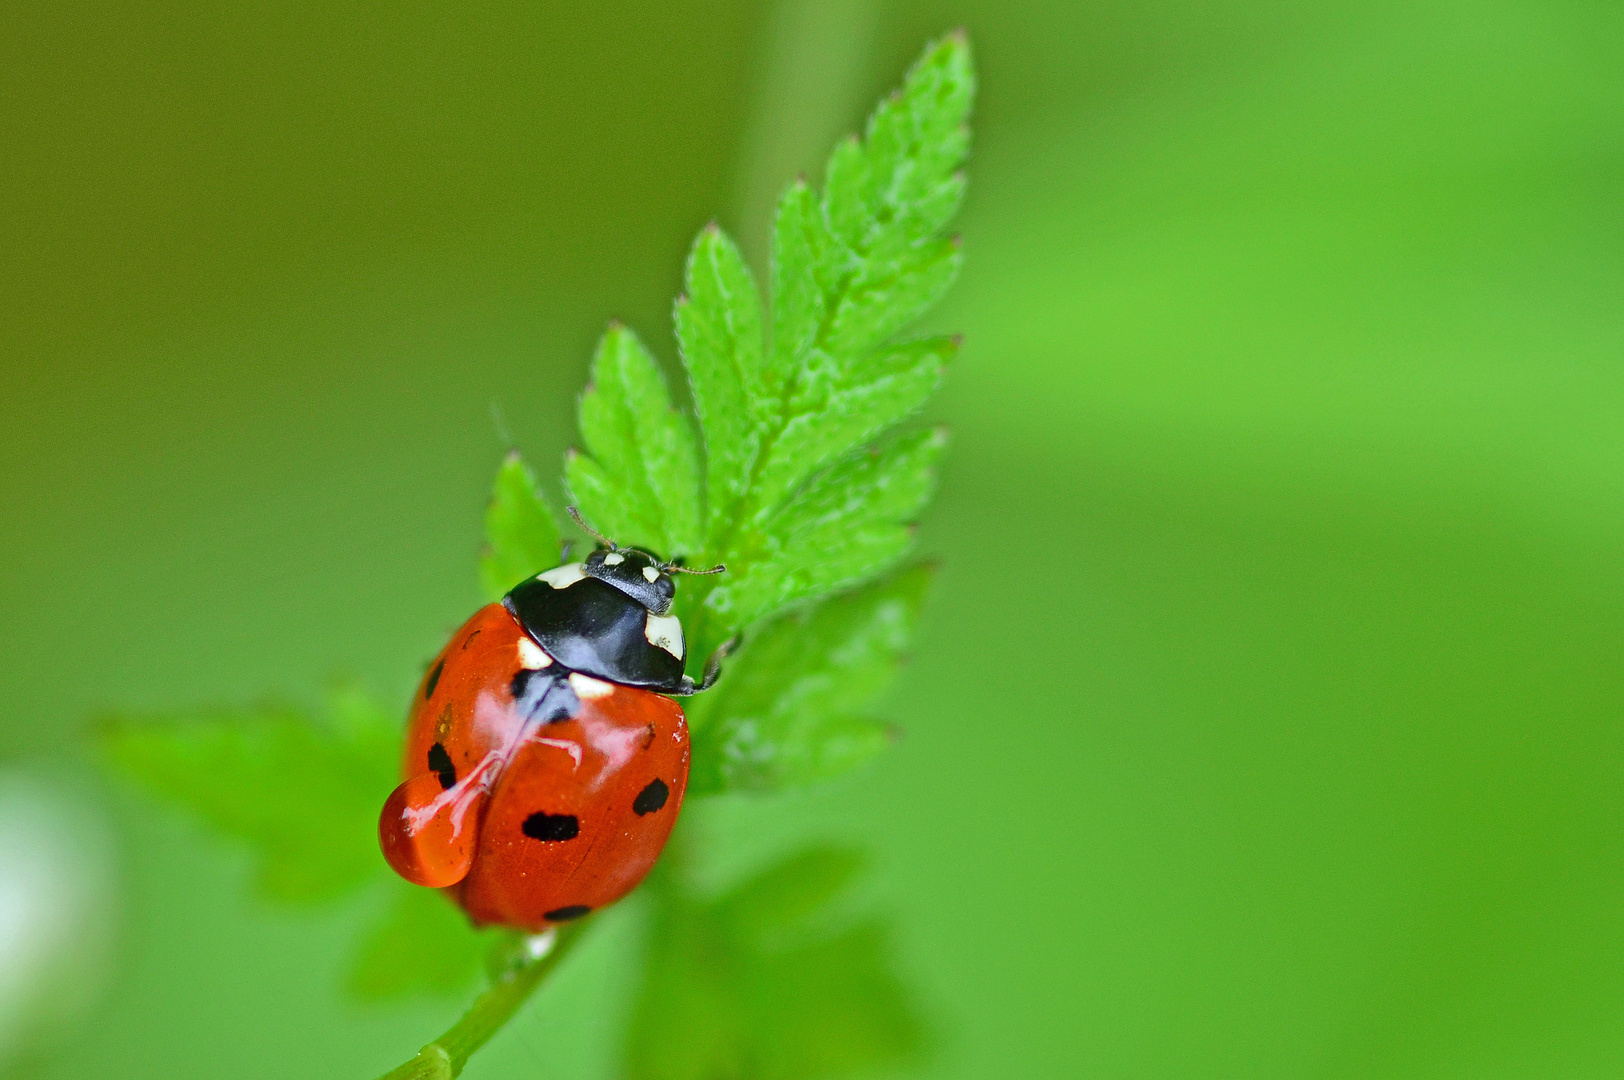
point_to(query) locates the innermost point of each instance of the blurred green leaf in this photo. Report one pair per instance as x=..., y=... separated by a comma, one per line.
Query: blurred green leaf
x=520, y=531
x=763, y=982
x=422, y=944
x=797, y=703
x=790, y=894
x=303, y=792
x=639, y=480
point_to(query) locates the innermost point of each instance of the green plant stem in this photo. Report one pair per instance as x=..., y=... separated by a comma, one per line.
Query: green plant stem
x=445, y=1057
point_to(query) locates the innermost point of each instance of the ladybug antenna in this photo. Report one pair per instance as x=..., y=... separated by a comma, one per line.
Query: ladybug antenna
x=675, y=567
x=579, y=520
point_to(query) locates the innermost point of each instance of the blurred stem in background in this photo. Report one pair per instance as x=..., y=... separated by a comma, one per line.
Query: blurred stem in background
x=811, y=90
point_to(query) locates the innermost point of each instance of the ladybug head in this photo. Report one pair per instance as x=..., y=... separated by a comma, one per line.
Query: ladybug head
x=636, y=573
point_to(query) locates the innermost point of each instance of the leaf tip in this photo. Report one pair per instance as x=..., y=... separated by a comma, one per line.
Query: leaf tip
x=954, y=46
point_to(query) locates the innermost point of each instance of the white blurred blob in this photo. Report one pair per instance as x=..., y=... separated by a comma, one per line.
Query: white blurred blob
x=55, y=910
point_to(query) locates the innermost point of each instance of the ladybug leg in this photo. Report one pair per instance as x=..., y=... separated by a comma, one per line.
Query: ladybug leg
x=713, y=668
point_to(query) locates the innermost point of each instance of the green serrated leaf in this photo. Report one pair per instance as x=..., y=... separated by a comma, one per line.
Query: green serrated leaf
x=845, y=190
x=797, y=703
x=641, y=483
x=726, y=992
x=846, y=524
x=885, y=299
x=904, y=188
x=737, y=393
x=808, y=488
x=303, y=793
x=894, y=384
x=800, y=245
x=850, y=271
x=521, y=533
x=420, y=945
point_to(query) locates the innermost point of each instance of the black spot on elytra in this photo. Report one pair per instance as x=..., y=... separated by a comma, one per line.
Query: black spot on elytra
x=544, y=826
x=543, y=694
x=434, y=680
x=565, y=914
x=651, y=798
x=440, y=762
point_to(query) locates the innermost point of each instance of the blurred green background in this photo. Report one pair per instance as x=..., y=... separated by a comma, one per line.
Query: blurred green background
x=1266, y=718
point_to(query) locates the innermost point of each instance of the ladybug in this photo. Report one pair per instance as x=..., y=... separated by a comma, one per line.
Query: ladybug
x=543, y=768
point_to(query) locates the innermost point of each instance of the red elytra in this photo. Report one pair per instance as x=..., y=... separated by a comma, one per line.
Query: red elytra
x=527, y=820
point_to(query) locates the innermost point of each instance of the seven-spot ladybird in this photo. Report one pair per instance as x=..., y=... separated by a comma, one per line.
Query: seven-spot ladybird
x=543, y=768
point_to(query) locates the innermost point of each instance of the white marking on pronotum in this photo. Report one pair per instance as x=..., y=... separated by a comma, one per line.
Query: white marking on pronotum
x=651, y=574
x=531, y=655
x=562, y=577
x=585, y=686
x=664, y=631
x=614, y=558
